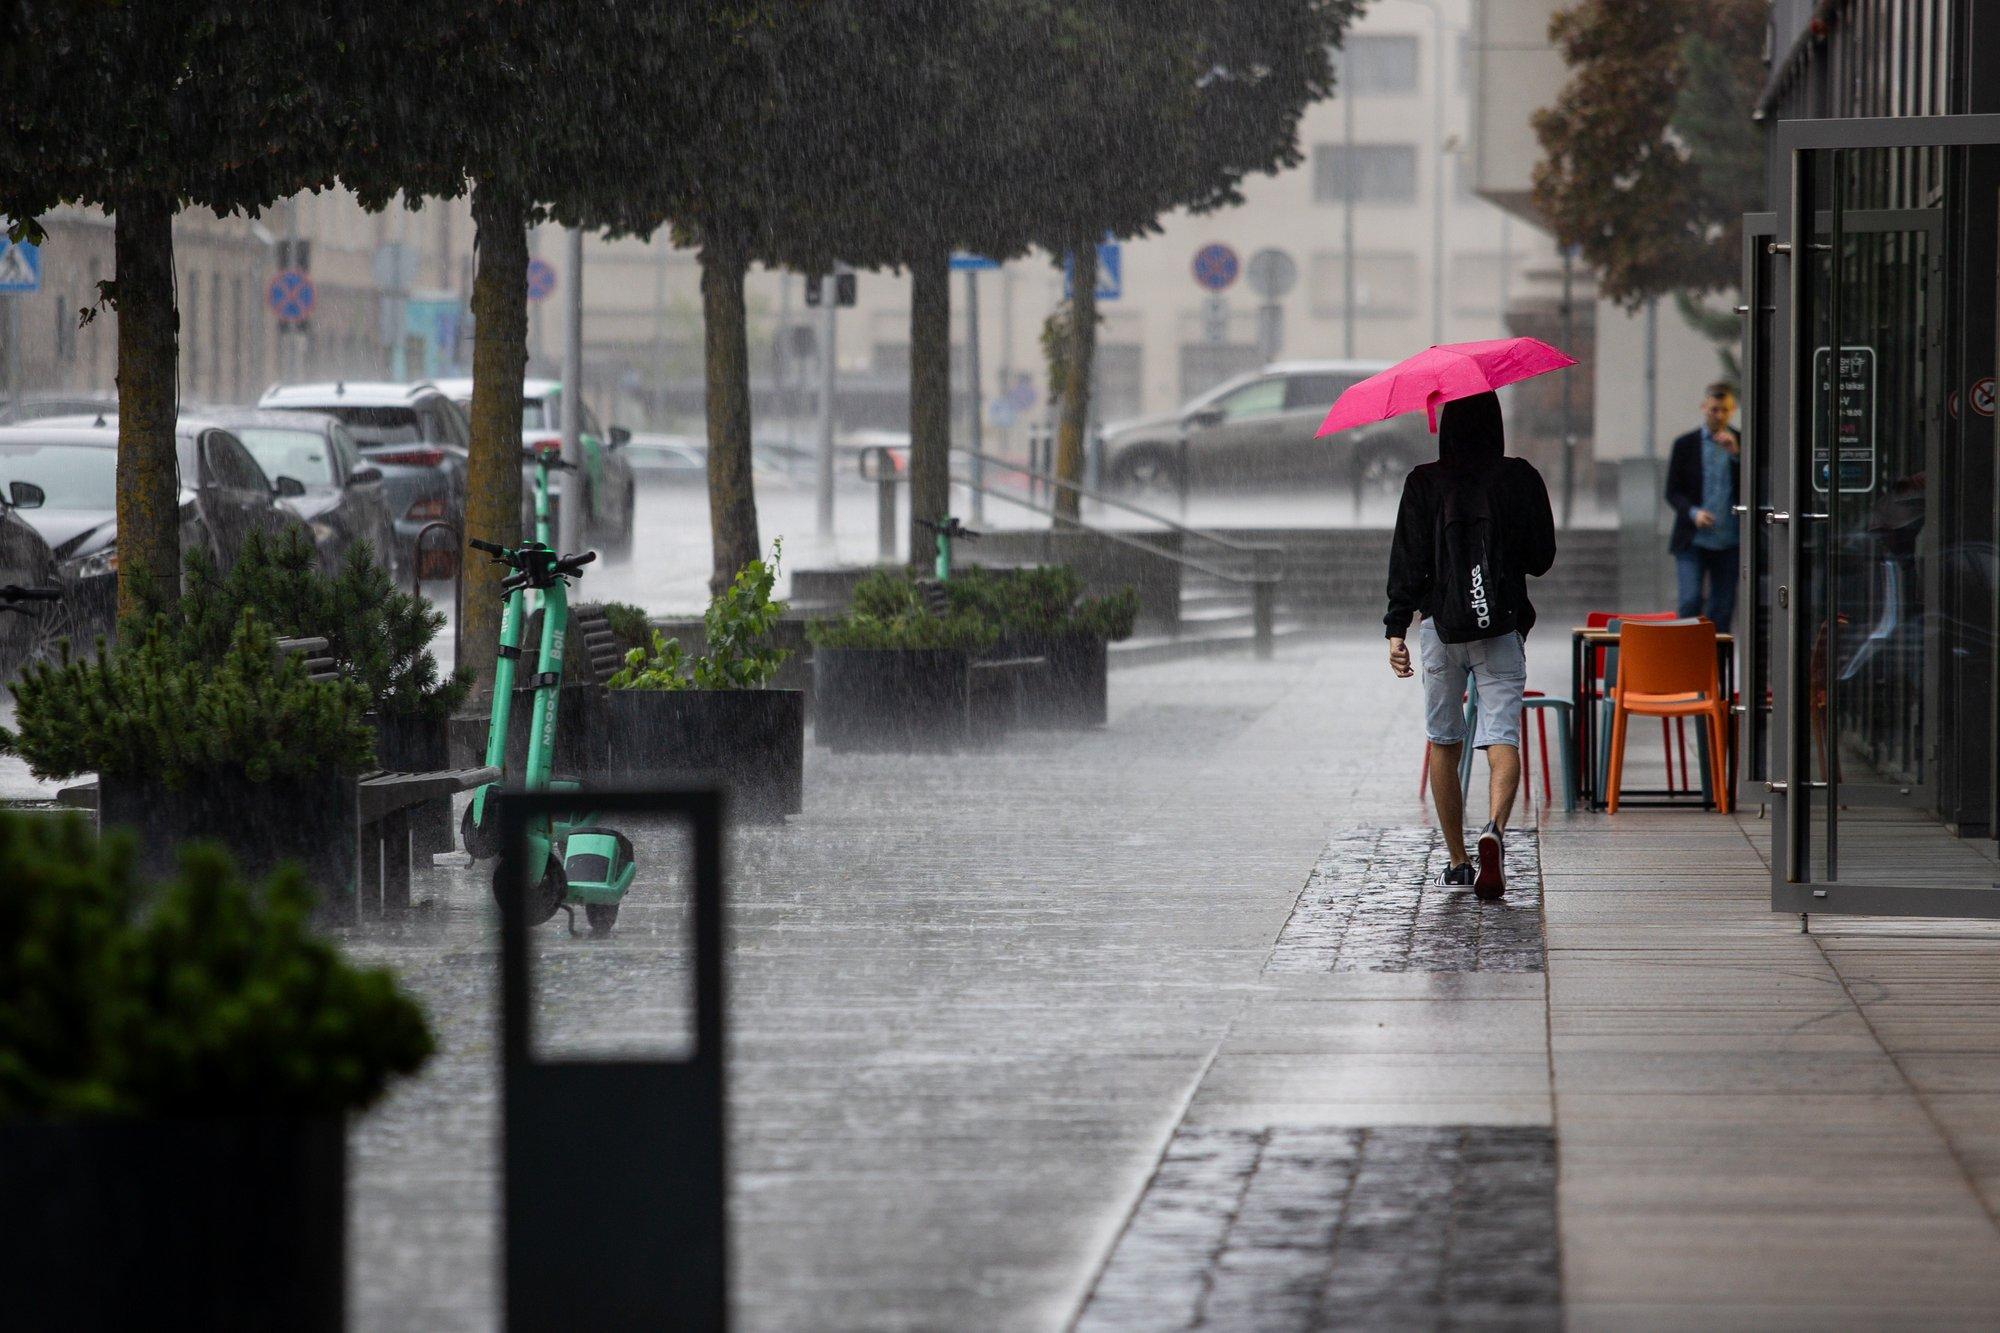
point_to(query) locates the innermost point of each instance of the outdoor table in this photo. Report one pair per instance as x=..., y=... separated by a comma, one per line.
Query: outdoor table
x=1587, y=648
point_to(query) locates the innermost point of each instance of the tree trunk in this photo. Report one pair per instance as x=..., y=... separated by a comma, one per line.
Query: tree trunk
x=499, y=363
x=732, y=499
x=149, y=519
x=1075, y=425
x=930, y=399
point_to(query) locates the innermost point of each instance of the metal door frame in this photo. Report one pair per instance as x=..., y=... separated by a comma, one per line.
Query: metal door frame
x=1791, y=788
x=1760, y=231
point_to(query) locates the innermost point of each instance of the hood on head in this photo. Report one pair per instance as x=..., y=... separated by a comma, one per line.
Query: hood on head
x=1470, y=432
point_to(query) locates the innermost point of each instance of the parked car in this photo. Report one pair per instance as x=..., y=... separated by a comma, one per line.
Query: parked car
x=667, y=460
x=608, y=487
x=416, y=435
x=344, y=501
x=26, y=562
x=225, y=496
x=1258, y=430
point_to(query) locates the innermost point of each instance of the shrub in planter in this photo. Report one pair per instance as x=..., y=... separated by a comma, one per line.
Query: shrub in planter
x=245, y=749
x=176, y=1062
x=377, y=634
x=893, y=675
x=679, y=719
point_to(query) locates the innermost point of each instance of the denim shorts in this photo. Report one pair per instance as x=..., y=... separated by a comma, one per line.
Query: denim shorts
x=1496, y=668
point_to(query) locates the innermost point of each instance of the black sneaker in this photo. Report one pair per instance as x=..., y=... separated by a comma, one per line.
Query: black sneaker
x=1457, y=877
x=1492, y=879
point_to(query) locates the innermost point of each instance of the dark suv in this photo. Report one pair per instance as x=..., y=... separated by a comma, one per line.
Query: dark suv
x=1258, y=430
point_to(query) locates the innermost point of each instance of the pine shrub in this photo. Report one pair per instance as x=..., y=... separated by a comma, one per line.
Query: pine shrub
x=203, y=995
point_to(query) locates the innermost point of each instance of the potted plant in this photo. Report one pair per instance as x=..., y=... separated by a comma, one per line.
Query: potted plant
x=378, y=636
x=893, y=674
x=1042, y=613
x=244, y=750
x=177, y=1062
x=672, y=718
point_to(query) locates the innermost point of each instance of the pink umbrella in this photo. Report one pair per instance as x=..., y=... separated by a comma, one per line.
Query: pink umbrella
x=1437, y=375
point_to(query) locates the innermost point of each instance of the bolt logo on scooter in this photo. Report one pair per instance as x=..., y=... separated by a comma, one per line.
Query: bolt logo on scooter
x=581, y=861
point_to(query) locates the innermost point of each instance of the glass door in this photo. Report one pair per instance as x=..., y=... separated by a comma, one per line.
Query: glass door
x=1854, y=543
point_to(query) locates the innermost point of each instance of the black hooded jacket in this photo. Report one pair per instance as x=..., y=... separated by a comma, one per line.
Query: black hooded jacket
x=1472, y=443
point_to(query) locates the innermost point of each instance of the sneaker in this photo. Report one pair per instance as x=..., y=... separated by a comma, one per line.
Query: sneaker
x=1492, y=878
x=1457, y=877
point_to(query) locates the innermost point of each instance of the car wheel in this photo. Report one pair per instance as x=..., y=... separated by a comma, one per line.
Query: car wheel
x=1148, y=469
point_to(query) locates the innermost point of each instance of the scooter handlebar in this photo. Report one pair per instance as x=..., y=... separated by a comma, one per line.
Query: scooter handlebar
x=570, y=564
x=488, y=547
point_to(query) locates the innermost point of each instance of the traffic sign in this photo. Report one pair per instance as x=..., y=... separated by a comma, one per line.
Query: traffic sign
x=1982, y=396
x=291, y=296
x=1272, y=274
x=20, y=266
x=970, y=263
x=1110, y=272
x=541, y=279
x=1216, y=267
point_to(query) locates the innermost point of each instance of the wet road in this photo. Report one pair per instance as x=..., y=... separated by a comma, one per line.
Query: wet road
x=970, y=999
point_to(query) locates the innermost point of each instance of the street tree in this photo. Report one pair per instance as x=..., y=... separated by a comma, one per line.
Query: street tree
x=1143, y=107
x=142, y=110
x=1650, y=154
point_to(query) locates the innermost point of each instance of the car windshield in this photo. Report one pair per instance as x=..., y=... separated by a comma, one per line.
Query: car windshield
x=72, y=476
x=376, y=425
x=532, y=417
x=300, y=454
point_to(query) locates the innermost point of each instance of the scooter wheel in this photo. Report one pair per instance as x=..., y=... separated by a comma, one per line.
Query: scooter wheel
x=545, y=897
x=602, y=917
x=480, y=844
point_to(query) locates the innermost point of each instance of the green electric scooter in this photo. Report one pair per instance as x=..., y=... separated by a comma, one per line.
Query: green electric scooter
x=547, y=458
x=582, y=862
x=948, y=531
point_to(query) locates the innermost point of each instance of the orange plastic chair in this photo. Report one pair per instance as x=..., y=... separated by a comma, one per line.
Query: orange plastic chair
x=1668, y=670
x=1668, y=727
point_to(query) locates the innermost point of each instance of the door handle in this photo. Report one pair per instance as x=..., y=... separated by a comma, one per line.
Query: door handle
x=1777, y=516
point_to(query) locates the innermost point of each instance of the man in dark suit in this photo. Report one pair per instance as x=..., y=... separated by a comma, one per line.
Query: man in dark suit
x=1703, y=479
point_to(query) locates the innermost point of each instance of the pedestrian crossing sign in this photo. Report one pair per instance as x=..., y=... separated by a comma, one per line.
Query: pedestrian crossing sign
x=20, y=267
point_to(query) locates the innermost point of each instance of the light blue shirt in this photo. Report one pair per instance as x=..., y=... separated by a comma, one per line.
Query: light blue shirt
x=1718, y=496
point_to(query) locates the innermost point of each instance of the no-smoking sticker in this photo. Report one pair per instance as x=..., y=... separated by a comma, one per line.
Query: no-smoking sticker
x=1982, y=396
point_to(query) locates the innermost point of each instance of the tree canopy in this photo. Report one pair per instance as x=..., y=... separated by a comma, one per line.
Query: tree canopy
x=1651, y=157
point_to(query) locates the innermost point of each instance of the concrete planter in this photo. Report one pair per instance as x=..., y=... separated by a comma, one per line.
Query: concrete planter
x=904, y=700
x=202, y=1223
x=310, y=821
x=1072, y=687
x=752, y=743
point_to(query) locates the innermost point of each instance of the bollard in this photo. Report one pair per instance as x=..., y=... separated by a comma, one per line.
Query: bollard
x=1263, y=604
x=885, y=512
x=1181, y=478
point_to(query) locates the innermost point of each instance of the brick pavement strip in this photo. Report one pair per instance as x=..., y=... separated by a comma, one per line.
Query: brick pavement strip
x=1373, y=904
x=1305, y=1228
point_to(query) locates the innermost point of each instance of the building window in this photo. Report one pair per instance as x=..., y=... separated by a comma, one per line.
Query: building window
x=1120, y=384
x=1385, y=284
x=1378, y=173
x=1373, y=65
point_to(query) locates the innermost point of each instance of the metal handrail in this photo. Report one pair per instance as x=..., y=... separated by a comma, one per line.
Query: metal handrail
x=890, y=477
x=1101, y=497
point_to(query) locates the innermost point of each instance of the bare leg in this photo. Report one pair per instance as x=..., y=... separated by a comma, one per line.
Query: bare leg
x=1448, y=799
x=1503, y=767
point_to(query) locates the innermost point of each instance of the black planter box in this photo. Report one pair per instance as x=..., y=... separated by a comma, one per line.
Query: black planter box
x=212, y=1224
x=310, y=821
x=750, y=742
x=1071, y=687
x=895, y=699
x=418, y=745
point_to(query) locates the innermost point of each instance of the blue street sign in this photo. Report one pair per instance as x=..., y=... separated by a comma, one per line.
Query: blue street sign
x=541, y=279
x=291, y=295
x=967, y=263
x=1216, y=266
x=1110, y=272
x=20, y=266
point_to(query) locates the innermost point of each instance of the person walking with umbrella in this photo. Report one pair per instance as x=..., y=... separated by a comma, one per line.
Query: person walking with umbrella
x=1472, y=528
